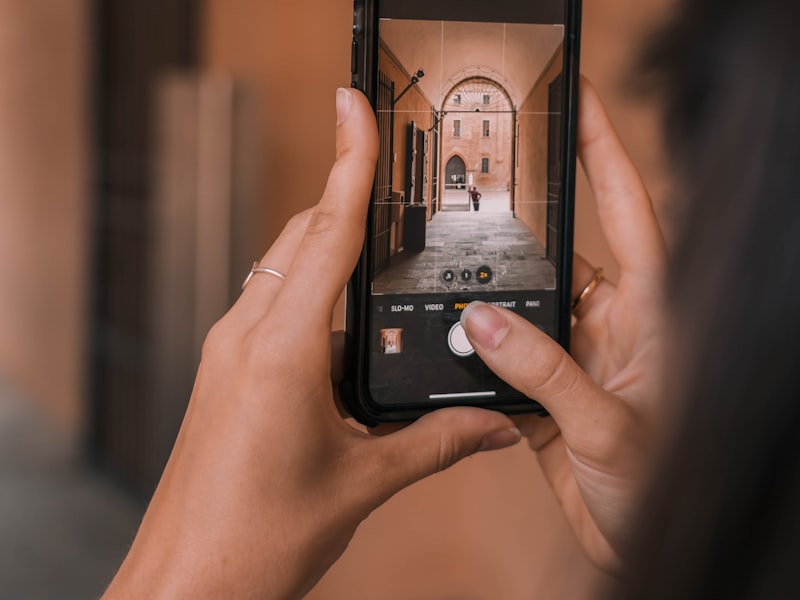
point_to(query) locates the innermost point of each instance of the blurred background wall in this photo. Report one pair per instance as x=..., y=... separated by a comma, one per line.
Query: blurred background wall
x=488, y=528
x=45, y=202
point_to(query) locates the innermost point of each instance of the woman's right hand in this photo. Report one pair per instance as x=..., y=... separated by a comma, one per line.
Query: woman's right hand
x=603, y=399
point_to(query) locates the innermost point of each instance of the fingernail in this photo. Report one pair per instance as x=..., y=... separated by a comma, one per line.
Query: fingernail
x=485, y=325
x=344, y=102
x=500, y=439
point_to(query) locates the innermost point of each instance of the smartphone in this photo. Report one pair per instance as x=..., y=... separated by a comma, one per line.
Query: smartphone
x=473, y=198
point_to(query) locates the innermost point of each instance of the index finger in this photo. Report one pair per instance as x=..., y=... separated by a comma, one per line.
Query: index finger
x=623, y=204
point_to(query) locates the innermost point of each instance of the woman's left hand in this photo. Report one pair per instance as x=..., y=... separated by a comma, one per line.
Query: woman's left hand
x=266, y=483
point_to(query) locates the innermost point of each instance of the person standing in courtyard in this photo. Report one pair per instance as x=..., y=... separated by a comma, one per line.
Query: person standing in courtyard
x=475, y=195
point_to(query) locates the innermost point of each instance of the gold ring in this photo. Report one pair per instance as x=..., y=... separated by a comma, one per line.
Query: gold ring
x=256, y=269
x=589, y=289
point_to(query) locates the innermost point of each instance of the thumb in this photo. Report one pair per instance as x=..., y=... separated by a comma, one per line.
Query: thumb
x=533, y=363
x=437, y=441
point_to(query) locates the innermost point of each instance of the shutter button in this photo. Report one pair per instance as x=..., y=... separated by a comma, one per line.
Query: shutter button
x=458, y=342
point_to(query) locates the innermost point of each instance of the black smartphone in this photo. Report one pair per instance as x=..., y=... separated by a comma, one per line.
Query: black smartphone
x=473, y=199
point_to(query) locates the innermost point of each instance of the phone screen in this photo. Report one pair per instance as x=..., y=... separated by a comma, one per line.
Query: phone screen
x=468, y=195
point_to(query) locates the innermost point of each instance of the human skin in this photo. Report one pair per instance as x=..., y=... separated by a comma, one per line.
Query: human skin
x=267, y=483
x=606, y=417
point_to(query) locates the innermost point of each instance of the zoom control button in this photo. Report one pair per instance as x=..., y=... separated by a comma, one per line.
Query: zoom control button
x=466, y=275
x=458, y=342
x=484, y=275
x=448, y=276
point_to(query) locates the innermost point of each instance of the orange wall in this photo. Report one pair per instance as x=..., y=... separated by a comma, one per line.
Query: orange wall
x=296, y=54
x=44, y=202
x=531, y=196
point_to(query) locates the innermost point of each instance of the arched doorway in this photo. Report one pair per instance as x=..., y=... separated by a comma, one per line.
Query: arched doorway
x=455, y=173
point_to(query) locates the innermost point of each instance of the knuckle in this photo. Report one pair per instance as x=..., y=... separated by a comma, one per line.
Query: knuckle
x=322, y=222
x=450, y=445
x=331, y=227
x=448, y=452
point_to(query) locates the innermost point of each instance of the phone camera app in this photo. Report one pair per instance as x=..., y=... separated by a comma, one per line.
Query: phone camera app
x=467, y=194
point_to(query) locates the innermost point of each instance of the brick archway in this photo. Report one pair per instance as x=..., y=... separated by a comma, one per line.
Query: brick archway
x=472, y=89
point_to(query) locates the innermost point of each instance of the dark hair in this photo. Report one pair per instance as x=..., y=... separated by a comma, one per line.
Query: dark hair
x=722, y=517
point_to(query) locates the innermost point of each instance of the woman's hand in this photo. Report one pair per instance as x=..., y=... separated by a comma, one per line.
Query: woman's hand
x=266, y=483
x=603, y=400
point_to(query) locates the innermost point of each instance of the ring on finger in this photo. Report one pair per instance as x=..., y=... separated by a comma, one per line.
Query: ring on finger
x=589, y=289
x=256, y=269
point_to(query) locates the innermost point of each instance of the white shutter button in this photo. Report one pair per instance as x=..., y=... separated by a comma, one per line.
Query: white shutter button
x=458, y=342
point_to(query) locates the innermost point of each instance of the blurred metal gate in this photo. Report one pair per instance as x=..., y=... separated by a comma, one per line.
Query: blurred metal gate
x=382, y=192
